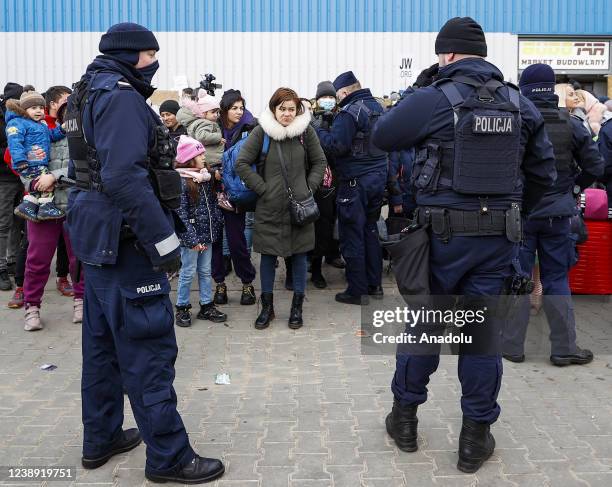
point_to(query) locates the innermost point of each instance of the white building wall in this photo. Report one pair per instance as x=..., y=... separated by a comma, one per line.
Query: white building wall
x=255, y=62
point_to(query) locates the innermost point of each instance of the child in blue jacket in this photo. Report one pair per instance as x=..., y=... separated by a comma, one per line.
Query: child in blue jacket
x=29, y=142
x=203, y=222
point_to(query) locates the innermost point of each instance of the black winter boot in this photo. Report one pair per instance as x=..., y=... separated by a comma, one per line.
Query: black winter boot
x=248, y=295
x=209, y=312
x=295, y=315
x=476, y=445
x=266, y=315
x=220, y=294
x=401, y=425
x=183, y=316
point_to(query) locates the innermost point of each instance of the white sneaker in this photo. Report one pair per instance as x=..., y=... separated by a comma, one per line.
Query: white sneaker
x=77, y=317
x=32, y=319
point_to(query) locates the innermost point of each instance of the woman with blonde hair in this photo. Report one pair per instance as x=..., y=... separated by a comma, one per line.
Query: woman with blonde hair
x=568, y=98
x=593, y=108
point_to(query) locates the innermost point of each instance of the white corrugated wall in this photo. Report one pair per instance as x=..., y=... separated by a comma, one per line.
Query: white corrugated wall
x=254, y=62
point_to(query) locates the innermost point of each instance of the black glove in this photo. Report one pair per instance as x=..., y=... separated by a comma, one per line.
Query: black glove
x=326, y=120
x=427, y=76
x=169, y=266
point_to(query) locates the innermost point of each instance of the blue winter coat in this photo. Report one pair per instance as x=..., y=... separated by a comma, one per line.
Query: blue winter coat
x=203, y=221
x=427, y=114
x=337, y=141
x=23, y=134
x=118, y=122
x=559, y=200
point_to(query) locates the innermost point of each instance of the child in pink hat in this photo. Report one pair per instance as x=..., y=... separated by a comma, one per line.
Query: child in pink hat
x=203, y=226
x=200, y=118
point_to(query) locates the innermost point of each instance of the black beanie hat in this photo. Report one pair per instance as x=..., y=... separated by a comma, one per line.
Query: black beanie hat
x=128, y=36
x=325, y=88
x=461, y=35
x=229, y=98
x=537, y=78
x=12, y=91
x=169, y=106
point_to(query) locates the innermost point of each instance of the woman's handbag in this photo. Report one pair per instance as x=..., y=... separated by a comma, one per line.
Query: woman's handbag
x=302, y=212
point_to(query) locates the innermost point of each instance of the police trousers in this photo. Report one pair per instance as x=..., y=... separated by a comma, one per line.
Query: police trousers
x=469, y=266
x=359, y=202
x=550, y=237
x=128, y=339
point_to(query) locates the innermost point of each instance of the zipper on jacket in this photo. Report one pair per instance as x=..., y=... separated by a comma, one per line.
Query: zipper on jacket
x=209, y=216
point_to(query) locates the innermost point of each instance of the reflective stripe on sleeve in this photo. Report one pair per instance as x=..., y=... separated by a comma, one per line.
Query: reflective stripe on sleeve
x=167, y=245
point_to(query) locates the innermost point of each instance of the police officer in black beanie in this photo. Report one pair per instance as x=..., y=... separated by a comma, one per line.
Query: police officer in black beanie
x=122, y=229
x=482, y=157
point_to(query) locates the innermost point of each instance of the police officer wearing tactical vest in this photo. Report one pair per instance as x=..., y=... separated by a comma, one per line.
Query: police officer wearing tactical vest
x=121, y=225
x=547, y=230
x=362, y=174
x=482, y=154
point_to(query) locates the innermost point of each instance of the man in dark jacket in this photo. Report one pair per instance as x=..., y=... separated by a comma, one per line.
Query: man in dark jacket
x=122, y=229
x=10, y=190
x=167, y=112
x=482, y=153
x=547, y=230
x=605, y=148
x=361, y=170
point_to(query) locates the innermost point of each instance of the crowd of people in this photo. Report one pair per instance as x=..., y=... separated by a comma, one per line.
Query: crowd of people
x=219, y=235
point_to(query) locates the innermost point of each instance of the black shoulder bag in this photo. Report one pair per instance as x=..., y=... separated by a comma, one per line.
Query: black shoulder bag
x=302, y=212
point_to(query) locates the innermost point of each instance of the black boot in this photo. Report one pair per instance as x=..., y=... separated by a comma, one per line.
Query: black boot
x=266, y=315
x=209, y=312
x=183, y=316
x=581, y=356
x=248, y=295
x=5, y=281
x=476, y=445
x=401, y=425
x=295, y=315
x=128, y=440
x=220, y=294
x=198, y=471
x=317, y=276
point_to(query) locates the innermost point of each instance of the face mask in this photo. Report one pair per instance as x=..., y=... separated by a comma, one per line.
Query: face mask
x=327, y=104
x=149, y=71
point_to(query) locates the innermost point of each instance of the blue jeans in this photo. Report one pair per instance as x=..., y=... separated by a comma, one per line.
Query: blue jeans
x=267, y=272
x=193, y=262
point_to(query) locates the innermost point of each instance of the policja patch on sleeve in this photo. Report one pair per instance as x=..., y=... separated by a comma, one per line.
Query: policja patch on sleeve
x=493, y=124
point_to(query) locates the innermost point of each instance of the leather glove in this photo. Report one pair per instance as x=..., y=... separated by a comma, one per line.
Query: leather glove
x=169, y=266
x=427, y=76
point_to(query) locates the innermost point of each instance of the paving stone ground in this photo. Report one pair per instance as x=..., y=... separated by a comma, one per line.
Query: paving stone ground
x=306, y=409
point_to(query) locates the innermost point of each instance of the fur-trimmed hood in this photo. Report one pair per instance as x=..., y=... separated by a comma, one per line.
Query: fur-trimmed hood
x=277, y=132
x=15, y=107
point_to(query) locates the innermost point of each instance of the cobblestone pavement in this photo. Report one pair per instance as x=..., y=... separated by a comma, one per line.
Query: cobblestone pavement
x=306, y=409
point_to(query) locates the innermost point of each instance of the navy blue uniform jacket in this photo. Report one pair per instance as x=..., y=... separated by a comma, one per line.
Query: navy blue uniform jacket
x=337, y=141
x=120, y=125
x=559, y=200
x=426, y=113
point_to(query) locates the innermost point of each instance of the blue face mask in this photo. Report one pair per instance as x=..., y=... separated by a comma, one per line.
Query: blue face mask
x=327, y=103
x=149, y=71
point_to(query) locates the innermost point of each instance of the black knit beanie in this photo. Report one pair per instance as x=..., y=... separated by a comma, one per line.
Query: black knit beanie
x=128, y=36
x=325, y=88
x=461, y=35
x=229, y=98
x=169, y=106
x=12, y=90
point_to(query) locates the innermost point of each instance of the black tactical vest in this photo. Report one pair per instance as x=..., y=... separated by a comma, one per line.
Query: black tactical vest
x=362, y=147
x=559, y=130
x=483, y=157
x=165, y=180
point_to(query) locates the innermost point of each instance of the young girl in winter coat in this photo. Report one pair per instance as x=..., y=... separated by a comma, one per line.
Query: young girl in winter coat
x=203, y=222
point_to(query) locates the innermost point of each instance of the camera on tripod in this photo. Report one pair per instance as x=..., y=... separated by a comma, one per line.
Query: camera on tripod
x=208, y=85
